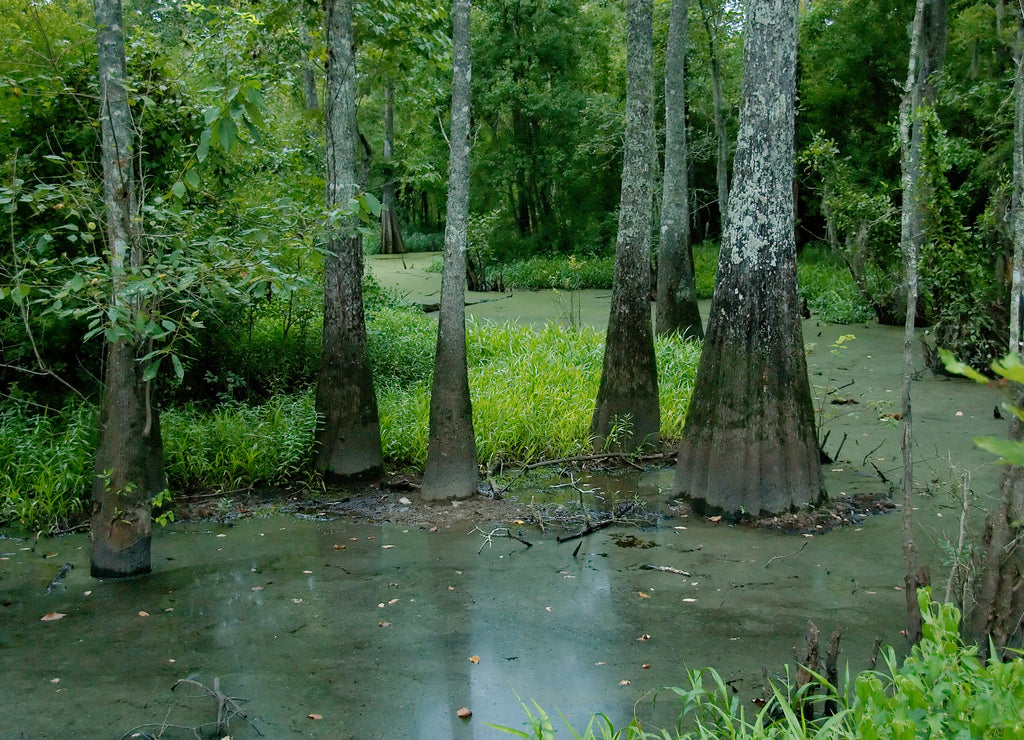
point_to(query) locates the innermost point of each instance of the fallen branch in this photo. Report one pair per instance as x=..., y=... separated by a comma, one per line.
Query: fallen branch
x=590, y=529
x=780, y=557
x=227, y=706
x=498, y=532
x=666, y=569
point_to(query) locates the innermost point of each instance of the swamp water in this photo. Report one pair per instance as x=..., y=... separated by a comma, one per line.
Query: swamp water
x=344, y=629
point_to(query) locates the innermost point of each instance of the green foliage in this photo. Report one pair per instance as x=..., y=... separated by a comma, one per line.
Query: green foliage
x=1010, y=369
x=47, y=465
x=830, y=291
x=532, y=394
x=941, y=690
x=419, y=241
x=569, y=273
x=236, y=445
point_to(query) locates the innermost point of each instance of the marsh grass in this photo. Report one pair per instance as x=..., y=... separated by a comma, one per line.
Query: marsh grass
x=533, y=394
x=237, y=445
x=47, y=465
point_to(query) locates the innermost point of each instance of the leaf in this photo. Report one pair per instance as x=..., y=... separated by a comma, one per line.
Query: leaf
x=192, y=179
x=151, y=370
x=227, y=134
x=956, y=367
x=1010, y=368
x=314, y=715
x=179, y=370
x=204, y=144
x=52, y=617
x=464, y=713
x=474, y=659
x=642, y=595
x=1009, y=451
x=178, y=189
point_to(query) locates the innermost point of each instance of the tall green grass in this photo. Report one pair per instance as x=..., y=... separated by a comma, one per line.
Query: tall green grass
x=47, y=465
x=533, y=394
x=236, y=445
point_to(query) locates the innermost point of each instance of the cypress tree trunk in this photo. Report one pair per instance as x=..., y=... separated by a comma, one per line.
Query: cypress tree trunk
x=390, y=230
x=129, y=461
x=451, y=470
x=629, y=382
x=749, y=445
x=348, y=431
x=677, y=295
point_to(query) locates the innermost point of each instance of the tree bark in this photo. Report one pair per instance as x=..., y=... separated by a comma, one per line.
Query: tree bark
x=348, y=430
x=129, y=461
x=677, y=295
x=451, y=470
x=749, y=444
x=390, y=230
x=626, y=414
x=911, y=239
x=1017, y=207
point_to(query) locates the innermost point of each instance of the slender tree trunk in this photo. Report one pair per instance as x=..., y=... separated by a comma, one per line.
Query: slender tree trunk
x=451, y=470
x=309, y=72
x=390, y=231
x=911, y=239
x=1017, y=208
x=129, y=461
x=721, y=132
x=749, y=445
x=348, y=431
x=677, y=295
x=628, y=393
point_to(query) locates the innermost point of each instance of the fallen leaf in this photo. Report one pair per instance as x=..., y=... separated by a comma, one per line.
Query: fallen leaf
x=644, y=637
x=624, y=682
x=371, y=538
x=386, y=547
x=404, y=501
x=87, y=593
x=474, y=659
x=339, y=547
x=643, y=595
x=381, y=605
x=464, y=713
x=52, y=617
x=393, y=601
x=688, y=600
x=518, y=521
x=717, y=518
x=313, y=715
x=451, y=588
x=646, y=665
x=547, y=608
x=54, y=680
x=600, y=662
x=143, y=614
x=383, y=624
x=296, y=601
x=257, y=588
x=432, y=529
x=307, y=572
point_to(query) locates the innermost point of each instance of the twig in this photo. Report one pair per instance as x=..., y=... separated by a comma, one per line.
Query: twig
x=227, y=707
x=871, y=452
x=780, y=557
x=498, y=532
x=587, y=530
x=666, y=569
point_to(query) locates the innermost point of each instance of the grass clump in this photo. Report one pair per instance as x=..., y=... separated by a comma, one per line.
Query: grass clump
x=560, y=273
x=941, y=690
x=237, y=445
x=831, y=294
x=533, y=394
x=48, y=465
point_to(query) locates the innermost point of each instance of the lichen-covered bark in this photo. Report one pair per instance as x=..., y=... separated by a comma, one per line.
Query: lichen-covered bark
x=749, y=445
x=677, y=295
x=129, y=460
x=348, y=431
x=451, y=470
x=629, y=383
